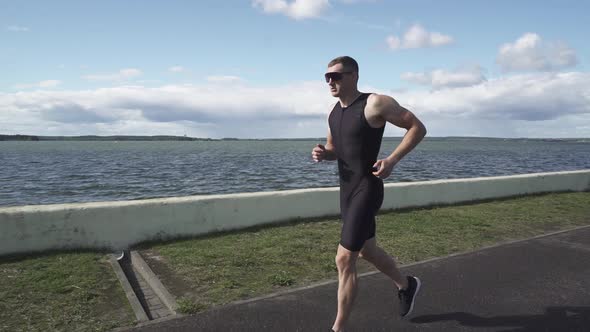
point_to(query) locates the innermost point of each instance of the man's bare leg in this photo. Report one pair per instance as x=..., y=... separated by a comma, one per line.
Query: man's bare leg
x=347, y=285
x=383, y=262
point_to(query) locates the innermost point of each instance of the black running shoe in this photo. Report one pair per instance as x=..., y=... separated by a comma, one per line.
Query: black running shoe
x=407, y=296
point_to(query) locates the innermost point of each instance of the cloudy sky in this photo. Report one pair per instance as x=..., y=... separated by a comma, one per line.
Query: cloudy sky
x=254, y=68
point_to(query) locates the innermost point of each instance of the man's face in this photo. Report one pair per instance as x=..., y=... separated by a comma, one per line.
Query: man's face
x=339, y=79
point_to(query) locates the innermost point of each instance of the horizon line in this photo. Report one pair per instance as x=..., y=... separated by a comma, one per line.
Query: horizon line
x=270, y=138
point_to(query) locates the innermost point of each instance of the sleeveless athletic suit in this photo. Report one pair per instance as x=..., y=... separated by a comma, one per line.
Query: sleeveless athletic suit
x=361, y=193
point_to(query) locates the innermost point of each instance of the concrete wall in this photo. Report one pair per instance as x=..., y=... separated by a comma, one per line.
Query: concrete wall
x=118, y=225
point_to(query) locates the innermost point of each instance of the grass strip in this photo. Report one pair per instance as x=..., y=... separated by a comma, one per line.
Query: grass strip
x=61, y=292
x=221, y=268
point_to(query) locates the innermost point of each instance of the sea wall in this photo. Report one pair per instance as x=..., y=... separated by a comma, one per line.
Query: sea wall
x=121, y=224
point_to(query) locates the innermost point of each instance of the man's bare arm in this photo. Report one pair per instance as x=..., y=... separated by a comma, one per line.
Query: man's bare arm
x=325, y=152
x=391, y=111
x=330, y=149
x=388, y=109
x=330, y=152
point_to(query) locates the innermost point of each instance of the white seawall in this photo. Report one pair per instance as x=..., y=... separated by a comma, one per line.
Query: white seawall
x=121, y=224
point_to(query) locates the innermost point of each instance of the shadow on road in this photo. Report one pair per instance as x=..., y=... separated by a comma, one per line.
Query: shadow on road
x=554, y=319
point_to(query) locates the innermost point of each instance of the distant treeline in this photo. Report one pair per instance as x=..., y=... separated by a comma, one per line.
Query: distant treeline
x=184, y=138
x=100, y=138
x=18, y=138
x=138, y=138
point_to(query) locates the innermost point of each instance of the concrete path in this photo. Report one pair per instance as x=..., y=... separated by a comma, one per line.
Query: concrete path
x=540, y=284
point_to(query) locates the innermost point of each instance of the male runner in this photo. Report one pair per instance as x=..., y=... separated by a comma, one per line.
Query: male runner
x=356, y=125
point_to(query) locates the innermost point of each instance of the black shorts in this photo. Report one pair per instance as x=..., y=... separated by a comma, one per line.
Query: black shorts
x=358, y=206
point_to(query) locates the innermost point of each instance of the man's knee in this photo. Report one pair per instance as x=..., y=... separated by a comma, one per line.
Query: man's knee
x=346, y=260
x=366, y=254
x=368, y=250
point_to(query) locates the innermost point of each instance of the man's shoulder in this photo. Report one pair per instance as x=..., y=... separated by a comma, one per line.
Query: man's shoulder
x=376, y=100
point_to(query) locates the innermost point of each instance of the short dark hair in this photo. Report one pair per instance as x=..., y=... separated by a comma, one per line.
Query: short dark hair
x=347, y=62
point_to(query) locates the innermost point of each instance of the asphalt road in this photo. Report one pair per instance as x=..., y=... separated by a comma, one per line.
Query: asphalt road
x=540, y=284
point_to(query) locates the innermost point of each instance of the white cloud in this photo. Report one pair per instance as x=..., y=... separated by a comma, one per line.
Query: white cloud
x=49, y=83
x=441, y=78
x=16, y=28
x=418, y=37
x=121, y=75
x=215, y=111
x=42, y=84
x=224, y=79
x=531, y=105
x=176, y=69
x=531, y=53
x=147, y=81
x=297, y=9
x=532, y=97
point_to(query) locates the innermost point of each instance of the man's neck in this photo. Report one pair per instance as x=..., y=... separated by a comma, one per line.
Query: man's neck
x=349, y=98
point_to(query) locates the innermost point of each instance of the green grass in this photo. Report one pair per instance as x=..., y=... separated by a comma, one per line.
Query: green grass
x=222, y=268
x=188, y=306
x=80, y=292
x=61, y=292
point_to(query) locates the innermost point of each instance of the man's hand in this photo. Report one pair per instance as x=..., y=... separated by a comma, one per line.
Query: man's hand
x=318, y=153
x=384, y=168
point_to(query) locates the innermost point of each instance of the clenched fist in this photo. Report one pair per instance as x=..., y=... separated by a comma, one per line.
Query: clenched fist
x=318, y=153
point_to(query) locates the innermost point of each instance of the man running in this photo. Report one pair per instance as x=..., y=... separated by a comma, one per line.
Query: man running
x=356, y=125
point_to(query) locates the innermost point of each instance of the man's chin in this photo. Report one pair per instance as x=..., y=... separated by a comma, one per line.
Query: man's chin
x=334, y=93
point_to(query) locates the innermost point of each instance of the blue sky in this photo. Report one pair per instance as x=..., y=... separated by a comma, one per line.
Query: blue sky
x=254, y=68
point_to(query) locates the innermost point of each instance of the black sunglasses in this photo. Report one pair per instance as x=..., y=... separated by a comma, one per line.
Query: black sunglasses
x=335, y=76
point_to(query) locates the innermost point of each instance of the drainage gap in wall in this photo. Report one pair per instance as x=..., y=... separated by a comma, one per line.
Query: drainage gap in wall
x=145, y=287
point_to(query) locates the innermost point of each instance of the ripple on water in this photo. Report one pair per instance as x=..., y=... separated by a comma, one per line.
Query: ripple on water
x=58, y=172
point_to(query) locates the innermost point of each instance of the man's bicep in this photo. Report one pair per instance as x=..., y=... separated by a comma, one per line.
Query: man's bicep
x=329, y=141
x=398, y=115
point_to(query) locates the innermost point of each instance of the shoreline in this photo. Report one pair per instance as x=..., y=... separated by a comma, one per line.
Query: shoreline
x=139, y=138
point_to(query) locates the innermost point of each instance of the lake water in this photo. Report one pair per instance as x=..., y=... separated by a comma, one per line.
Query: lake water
x=48, y=172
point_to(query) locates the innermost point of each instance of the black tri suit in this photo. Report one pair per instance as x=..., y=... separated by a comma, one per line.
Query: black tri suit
x=361, y=193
